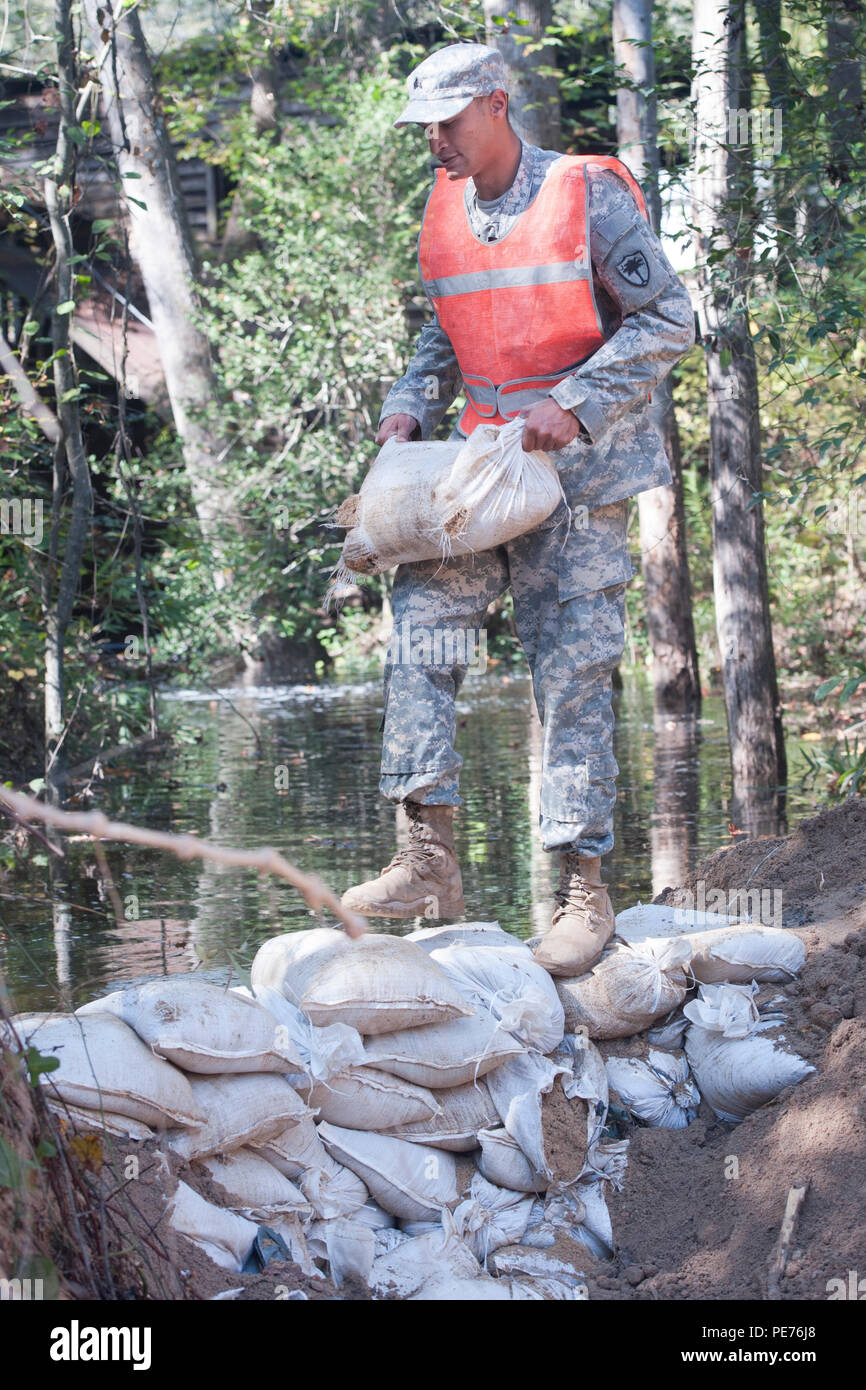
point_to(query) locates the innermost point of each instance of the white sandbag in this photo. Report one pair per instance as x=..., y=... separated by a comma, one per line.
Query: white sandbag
x=409, y=1180
x=596, y=1229
x=374, y=1216
x=737, y=1058
x=323, y=1052
x=299, y=1153
x=463, y=934
x=503, y=1162
x=585, y=1079
x=366, y=1098
x=658, y=1091
x=722, y=950
x=490, y=1217
x=463, y=1111
x=224, y=1235
x=238, y=1110
x=424, y=1260
x=516, y=1090
x=444, y=1055
x=255, y=1187
x=104, y=1064
x=430, y=500
x=507, y=981
x=119, y=1126
x=347, y=1244
x=481, y=1290
x=288, y=962
x=199, y=1026
x=628, y=990
x=381, y=984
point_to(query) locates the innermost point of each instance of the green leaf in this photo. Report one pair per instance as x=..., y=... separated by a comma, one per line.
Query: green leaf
x=133, y=176
x=37, y=1064
x=66, y=307
x=102, y=224
x=137, y=201
x=826, y=687
x=11, y=1170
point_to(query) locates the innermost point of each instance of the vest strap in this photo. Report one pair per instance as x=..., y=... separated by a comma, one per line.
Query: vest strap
x=508, y=277
x=510, y=397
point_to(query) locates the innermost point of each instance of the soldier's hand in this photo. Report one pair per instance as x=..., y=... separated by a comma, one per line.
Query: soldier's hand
x=549, y=427
x=399, y=427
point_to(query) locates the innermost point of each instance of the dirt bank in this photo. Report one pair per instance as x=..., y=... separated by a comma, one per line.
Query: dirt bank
x=701, y=1207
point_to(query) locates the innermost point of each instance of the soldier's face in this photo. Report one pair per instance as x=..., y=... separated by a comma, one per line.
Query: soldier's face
x=465, y=144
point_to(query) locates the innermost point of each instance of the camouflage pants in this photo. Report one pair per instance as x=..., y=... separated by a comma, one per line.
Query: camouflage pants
x=569, y=609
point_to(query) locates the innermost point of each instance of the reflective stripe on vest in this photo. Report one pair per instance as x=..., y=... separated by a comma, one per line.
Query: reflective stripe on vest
x=520, y=312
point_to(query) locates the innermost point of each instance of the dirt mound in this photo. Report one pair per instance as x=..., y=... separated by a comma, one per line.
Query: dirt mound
x=822, y=862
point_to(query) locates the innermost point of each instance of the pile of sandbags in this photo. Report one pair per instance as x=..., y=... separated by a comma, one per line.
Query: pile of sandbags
x=334, y=1099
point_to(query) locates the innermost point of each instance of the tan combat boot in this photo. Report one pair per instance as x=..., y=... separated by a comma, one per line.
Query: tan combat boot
x=422, y=880
x=582, y=922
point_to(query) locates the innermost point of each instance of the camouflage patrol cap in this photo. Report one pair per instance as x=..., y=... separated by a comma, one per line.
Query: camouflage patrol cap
x=446, y=82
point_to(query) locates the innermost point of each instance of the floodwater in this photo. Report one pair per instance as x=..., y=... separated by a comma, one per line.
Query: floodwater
x=296, y=768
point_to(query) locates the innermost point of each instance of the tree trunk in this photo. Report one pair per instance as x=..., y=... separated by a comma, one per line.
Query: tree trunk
x=664, y=559
x=162, y=247
x=719, y=175
x=533, y=102
x=59, y=592
x=844, y=83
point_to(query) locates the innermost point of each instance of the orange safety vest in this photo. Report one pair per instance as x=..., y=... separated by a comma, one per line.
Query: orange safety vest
x=520, y=312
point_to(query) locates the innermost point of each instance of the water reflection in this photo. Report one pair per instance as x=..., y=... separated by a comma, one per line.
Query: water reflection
x=297, y=768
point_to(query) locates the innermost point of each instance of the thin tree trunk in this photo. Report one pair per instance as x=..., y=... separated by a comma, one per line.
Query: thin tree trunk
x=59, y=592
x=719, y=173
x=664, y=559
x=844, y=82
x=533, y=102
x=162, y=247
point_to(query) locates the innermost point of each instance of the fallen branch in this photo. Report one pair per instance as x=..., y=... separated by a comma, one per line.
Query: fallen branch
x=782, y=1249
x=267, y=861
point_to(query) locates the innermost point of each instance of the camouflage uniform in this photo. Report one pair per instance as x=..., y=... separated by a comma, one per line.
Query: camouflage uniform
x=568, y=584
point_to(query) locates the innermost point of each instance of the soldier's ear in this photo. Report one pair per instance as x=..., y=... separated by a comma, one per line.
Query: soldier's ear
x=499, y=105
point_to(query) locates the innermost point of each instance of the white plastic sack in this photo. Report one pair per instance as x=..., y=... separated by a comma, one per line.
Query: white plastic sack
x=224, y=1235
x=255, y=1187
x=366, y=1098
x=377, y=984
x=658, y=1091
x=423, y=1261
x=431, y=500
x=104, y=1064
x=516, y=1090
x=628, y=990
x=443, y=1055
x=490, y=1217
x=199, y=1026
x=503, y=1162
x=409, y=1180
x=238, y=1110
x=299, y=1153
x=347, y=1244
x=586, y=1079
x=737, y=1058
x=722, y=950
x=463, y=1111
x=323, y=1052
x=463, y=934
x=120, y=1126
x=507, y=981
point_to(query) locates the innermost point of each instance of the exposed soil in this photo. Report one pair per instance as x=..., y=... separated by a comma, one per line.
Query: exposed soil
x=563, y=1125
x=701, y=1208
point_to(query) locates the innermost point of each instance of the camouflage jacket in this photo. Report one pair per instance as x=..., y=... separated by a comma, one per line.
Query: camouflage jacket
x=647, y=328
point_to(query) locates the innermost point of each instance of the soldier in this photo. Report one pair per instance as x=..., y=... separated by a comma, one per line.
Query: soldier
x=551, y=299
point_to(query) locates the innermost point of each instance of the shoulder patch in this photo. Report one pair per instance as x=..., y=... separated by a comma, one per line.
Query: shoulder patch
x=634, y=268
